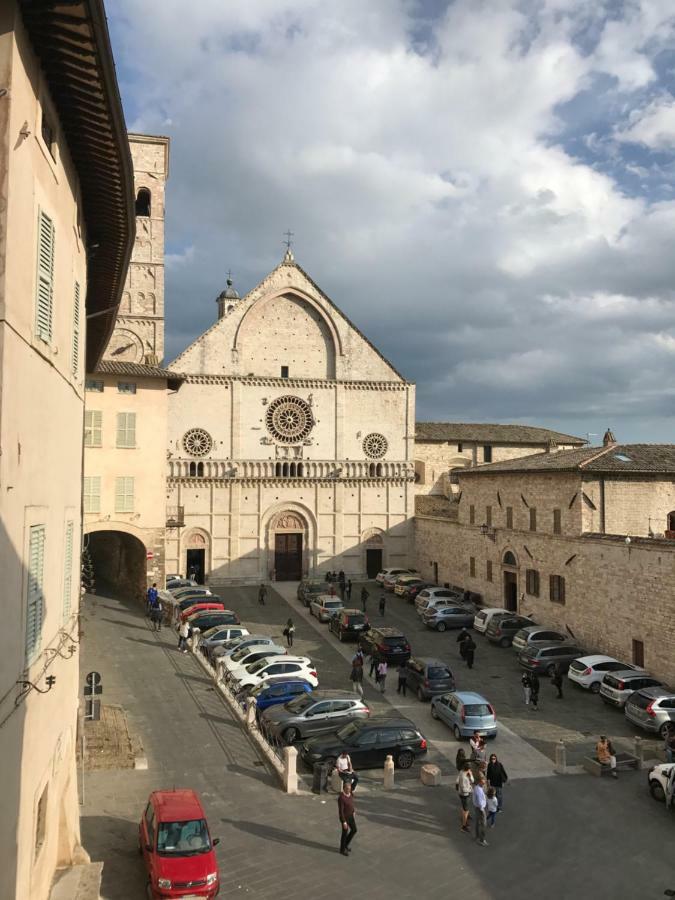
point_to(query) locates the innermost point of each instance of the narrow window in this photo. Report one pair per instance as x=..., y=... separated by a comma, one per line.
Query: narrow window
x=48, y=135
x=638, y=654
x=509, y=517
x=93, y=421
x=371, y=470
x=292, y=470
x=284, y=371
x=200, y=470
x=488, y=570
x=35, y=598
x=41, y=821
x=557, y=521
x=76, y=329
x=378, y=470
x=45, y=278
x=126, y=430
x=472, y=515
x=192, y=470
x=300, y=470
x=557, y=589
x=532, y=582
x=533, y=518
x=126, y=387
x=472, y=566
x=124, y=494
x=488, y=516
x=91, y=494
x=285, y=470
x=487, y=453
x=460, y=447
x=68, y=571
x=277, y=470
x=143, y=202
x=91, y=384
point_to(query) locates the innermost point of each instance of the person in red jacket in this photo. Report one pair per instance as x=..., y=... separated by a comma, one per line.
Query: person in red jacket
x=346, y=813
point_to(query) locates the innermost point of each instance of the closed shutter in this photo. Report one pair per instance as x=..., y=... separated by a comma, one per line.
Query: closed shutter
x=92, y=494
x=76, y=329
x=68, y=571
x=45, y=277
x=124, y=495
x=35, y=598
x=126, y=429
x=93, y=423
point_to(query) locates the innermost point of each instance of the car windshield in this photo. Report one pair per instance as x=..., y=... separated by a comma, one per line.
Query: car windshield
x=438, y=672
x=399, y=639
x=477, y=709
x=186, y=838
x=356, y=619
x=300, y=703
x=255, y=667
x=332, y=604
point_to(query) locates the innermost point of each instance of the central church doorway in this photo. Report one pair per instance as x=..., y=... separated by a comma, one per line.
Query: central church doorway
x=373, y=562
x=288, y=556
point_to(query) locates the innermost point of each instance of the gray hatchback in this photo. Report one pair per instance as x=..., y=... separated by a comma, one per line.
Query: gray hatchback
x=311, y=714
x=652, y=709
x=543, y=658
x=428, y=677
x=444, y=617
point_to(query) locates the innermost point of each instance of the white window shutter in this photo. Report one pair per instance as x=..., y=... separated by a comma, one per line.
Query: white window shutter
x=68, y=571
x=92, y=493
x=131, y=429
x=126, y=429
x=35, y=598
x=124, y=495
x=93, y=423
x=76, y=329
x=45, y=277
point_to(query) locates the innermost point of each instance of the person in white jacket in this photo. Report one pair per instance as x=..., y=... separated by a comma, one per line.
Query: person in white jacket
x=183, y=632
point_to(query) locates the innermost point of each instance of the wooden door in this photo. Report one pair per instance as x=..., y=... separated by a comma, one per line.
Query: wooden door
x=288, y=557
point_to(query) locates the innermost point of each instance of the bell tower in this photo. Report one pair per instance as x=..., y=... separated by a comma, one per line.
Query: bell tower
x=139, y=333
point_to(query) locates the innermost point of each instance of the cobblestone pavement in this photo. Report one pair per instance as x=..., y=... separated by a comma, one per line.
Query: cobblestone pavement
x=572, y=836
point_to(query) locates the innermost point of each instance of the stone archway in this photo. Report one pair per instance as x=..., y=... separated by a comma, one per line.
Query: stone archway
x=288, y=539
x=510, y=580
x=372, y=542
x=196, y=554
x=119, y=561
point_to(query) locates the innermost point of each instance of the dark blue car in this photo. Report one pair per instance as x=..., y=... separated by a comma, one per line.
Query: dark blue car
x=274, y=691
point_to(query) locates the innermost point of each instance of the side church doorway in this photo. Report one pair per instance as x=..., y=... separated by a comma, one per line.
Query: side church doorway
x=196, y=564
x=510, y=564
x=288, y=556
x=373, y=562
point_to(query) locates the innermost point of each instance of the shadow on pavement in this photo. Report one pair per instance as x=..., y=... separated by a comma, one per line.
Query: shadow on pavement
x=114, y=842
x=269, y=833
x=123, y=624
x=156, y=643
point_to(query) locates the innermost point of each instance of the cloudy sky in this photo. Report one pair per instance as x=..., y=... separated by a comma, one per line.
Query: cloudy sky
x=486, y=187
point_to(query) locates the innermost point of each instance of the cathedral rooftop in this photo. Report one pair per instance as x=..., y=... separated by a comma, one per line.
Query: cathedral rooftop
x=612, y=459
x=482, y=432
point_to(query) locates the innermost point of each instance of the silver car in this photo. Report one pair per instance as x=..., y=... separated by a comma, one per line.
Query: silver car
x=652, y=709
x=325, y=606
x=616, y=687
x=424, y=599
x=448, y=617
x=536, y=634
x=312, y=714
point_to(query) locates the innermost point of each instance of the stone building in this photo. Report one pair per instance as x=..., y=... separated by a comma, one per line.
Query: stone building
x=582, y=539
x=66, y=230
x=290, y=442
x=126, y=403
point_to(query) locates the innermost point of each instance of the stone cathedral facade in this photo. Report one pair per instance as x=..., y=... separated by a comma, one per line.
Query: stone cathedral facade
x=290, y=443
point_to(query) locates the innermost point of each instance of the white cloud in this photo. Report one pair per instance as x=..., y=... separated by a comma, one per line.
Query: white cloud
x=653, y=126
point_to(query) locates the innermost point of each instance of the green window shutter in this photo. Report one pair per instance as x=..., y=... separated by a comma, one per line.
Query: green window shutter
x=76, y=329
x=45, y=277
x=93, y=423
x=35, y=598
x=126, y=429
x=68, y=571
x=124, y=495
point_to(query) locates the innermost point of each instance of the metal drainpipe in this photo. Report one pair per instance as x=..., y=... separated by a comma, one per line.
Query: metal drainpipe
x=602, y=504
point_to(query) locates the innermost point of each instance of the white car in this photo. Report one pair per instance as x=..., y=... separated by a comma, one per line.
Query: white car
x=483, y=618
x=662, y=783
x=588, y=671
x=393, y=573
x=292, y=666
x=325, y=606
x=248, y=655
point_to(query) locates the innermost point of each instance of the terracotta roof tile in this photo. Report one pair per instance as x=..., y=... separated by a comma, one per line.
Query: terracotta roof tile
x=482, y=432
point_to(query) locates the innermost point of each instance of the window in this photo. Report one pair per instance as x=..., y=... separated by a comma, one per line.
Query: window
x=509, y=517
x=557, y=521
x=124, y=495
x=532, y=582
x=488, y=570
x=533, y=518
x=68, y=571
x=41, y=820
x=557, y=589
x=509, y=559
x=48, y=135
x=126, y=387
x=35, y=598
x=76, y=329
x=472, y=515
x=196, y=470
x=45, y=277
x=126, y=430
x=460, y=447
x=284, y=371
x=143, y=202
x=639, y=654
x=91, y=384
x=487, y=453
x=93, y=421
x=472, y=566
x=488, y=516
x=91, y=494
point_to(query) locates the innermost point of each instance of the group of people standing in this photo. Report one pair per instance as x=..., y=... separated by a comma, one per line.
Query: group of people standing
x=344, y=585
x=479, y=784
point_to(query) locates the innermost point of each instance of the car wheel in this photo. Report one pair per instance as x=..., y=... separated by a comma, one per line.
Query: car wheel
x=441, y=626
x=457, y=733
x=657, y=792
x=505, y=642
x=664, y=730
x=405, y=759
x=434, y=714
x=291, y=735
x=550, y=670
x=595, y=687
x=420, y=695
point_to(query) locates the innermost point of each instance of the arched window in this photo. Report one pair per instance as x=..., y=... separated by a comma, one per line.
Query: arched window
x=277, y=470
x=143, y=202
x=285, y=470
x=509, y=559
x=371, y=470
x=292, y=470
x=193, y=469
x=300, y=470
x=670, y=530
x=378, y=470
x=200, y=470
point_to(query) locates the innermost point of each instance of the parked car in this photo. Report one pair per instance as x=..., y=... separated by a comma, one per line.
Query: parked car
x=239, y=643
x=312, y=714
x=444, y=617
x=502, y=629
x=368, y=743
x=484, y=616
x=177, y=848
x=428, y=676
x=412, y=590
x=661, y=780
x=403, y=582
x=385, y=643
x=274, y=692
x=465, y=712
x=247, y=655
x=651, y=708
x=174, y=582
x=431, y=595
x=311, y=588
x=300, y=666
x=193, y=591
x=616, y=687
x=187, y=602
x=201, y=606
x=324, y=606
x=386, y=573
x=537, y=634
x=545, y=657
x=219, y=635
x=348, y=624
x=588, y=671
x=206, y=620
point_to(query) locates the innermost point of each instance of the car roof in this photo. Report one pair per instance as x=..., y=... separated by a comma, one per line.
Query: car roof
x=656, y=693
x=177, y=805
x=492, y=609
x=557, y=645
x=352, y=611
x=531, y=628
x=626, y=674
x=327, y=694
x=596, y=658
x=470, y=697
x=387, y=631
x=293, y=659
x=389, y=720
x=430, y=661
x=323, y=597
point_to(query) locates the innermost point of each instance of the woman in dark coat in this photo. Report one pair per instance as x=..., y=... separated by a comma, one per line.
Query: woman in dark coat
x=496, y=776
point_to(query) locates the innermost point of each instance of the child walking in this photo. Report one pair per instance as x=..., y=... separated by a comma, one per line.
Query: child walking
x=492, y=807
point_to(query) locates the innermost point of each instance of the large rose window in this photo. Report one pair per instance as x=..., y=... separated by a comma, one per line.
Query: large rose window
x=289, y=419
x=197, y=442
x=375, y=445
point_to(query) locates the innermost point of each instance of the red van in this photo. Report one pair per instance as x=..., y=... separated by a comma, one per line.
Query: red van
x=177, y=847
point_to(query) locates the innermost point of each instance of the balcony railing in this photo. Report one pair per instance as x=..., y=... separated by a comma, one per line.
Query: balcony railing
x=239, y=469
x=175, y=516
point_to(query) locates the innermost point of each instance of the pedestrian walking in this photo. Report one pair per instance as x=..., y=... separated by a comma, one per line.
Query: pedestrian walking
x=460, y=759
x=469, y=650
x=557, y=682
x=288, y=632
x=183, y=634
x=341, y=581
x=347, y=814
x=356, y=674
x=461, y=638
x=364, y=598
x=156, y=615
x=491, y=807
x=496, y=777
x=464, y=786
x=382, y=604
x=373, y=663
x=527, y=687
x=348, y=592
x=402, y=678
x=534, y=690
x=606, y=754
x=669, y=744
x=345, y=770
x=151, y=597
x=480, y=810
x=382, y=669
x=193, y=575
x=262, y=594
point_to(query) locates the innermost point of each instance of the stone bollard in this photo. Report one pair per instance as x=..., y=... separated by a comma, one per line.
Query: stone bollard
x=291, y=770
x=430, y=775
x=639, y=751
x=195, y=639
x=560, y=758
x=388, y=773
x=250, y=713
x=335, y=781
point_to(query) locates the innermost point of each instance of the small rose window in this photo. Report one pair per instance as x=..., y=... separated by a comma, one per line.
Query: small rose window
x=197, y=442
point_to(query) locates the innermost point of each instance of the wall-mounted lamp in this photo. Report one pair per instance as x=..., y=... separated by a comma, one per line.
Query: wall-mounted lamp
x=486, y=531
